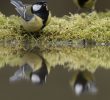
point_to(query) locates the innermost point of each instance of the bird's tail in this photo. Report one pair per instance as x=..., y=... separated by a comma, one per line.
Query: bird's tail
x=20, y=7
x=17, y=3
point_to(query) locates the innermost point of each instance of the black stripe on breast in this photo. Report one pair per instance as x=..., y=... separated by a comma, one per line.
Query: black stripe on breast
x=81, y=79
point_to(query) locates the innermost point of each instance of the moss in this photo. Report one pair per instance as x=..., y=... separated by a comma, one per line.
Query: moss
x=9, y=26
x=78, y=58
x=90, y=58
x=59, y=40
x=11, y=31
x=94, y=26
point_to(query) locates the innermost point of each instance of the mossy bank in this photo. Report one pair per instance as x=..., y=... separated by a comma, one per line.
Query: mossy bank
x=93, y=26
x=58, y=41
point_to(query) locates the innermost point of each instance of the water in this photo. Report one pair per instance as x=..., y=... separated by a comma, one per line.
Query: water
x=56, y=87
x=60, y=73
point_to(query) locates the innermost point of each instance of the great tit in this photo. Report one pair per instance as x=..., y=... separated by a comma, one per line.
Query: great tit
x=39, y=76
x=34, y=17
x=28, y=70
x=83, y=82
x=22, y=73
x=88, y=4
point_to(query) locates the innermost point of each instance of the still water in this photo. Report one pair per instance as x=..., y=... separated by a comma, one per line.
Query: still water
x=56, y=87
x=62, y=63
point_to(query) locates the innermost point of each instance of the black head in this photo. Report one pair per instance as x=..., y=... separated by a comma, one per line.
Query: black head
x=41, y=9
x=39, y=76
x=80, y=84
x=40, y=6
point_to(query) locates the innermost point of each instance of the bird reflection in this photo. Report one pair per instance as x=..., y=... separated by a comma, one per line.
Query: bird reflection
x=33, y=68
x=83, y=82
x=39, y=76
x=22, y=73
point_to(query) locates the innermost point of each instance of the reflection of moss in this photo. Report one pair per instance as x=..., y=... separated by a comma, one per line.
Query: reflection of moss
x=79, y=58
x=93, y=26
x=8, y=55
x=72, y=58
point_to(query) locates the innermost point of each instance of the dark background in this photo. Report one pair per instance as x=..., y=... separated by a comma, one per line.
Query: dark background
x=57, y=7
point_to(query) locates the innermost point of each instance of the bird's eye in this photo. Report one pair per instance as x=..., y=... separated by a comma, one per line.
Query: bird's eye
x=36, y=7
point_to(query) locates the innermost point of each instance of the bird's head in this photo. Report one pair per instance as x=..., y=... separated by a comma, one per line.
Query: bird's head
x=39, y=6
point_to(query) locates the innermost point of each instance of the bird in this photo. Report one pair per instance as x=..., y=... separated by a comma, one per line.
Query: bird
x=83, y=82
x=33, y=68
x=85, y=4
x=39, y=76
x=22, y=73
x=34, y=17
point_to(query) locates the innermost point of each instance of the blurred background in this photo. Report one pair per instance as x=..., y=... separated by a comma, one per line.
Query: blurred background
x=57, y=7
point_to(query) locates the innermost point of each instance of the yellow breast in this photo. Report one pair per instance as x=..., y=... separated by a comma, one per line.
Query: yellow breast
x=34, y=25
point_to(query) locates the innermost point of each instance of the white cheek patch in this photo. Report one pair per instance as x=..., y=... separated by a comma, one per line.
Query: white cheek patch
x=78, y=89
x=35, y=79
x=36, y=7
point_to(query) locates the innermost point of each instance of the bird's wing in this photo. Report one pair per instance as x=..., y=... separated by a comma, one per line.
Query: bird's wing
x=22, y=73
x=22, y=9
x=17, y=3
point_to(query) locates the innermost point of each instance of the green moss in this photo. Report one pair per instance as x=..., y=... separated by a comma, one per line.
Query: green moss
x=94, y=26
x=9, y=26
x=90, y=58
x=67, y=31
x=79, y=58
x=12, y=32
